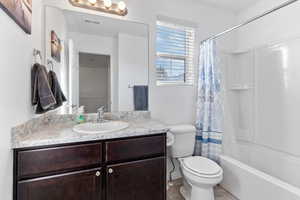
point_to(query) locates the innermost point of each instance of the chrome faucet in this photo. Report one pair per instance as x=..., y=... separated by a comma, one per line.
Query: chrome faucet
x=100, y=113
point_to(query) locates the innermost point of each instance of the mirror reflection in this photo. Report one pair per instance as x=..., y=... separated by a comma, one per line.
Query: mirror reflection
x=100, y=61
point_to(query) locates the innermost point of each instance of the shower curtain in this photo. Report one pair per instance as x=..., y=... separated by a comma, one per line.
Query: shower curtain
x=209, y=105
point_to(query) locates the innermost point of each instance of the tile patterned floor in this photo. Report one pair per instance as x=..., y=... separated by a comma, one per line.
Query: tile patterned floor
x=174, y=194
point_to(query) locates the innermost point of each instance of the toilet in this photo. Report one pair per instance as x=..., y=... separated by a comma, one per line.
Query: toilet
x=200, y=174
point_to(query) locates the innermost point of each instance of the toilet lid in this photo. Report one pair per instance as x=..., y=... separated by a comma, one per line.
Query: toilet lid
x=202, y=165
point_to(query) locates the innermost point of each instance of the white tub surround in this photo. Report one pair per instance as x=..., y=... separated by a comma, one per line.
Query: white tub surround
x=58, y=129
x=262, y=93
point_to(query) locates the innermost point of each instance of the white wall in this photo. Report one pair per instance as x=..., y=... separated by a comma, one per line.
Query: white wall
x=15, y=104
x=275, y=27
x=133, y=67
x=73, y=73
x=272, y=145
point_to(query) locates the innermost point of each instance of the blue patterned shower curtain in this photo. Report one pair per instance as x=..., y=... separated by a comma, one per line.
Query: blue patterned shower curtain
x=209, y=105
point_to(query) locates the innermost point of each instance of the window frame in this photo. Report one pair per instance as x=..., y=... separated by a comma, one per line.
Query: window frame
x=188, y=58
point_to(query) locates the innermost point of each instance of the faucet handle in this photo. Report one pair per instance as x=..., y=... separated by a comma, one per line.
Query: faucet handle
x=100, y=112
x=101, y=108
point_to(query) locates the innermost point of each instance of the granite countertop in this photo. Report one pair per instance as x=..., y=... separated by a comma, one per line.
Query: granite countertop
x=61, y=132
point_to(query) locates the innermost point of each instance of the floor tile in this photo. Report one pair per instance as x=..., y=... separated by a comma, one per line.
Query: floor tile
x=174, y=194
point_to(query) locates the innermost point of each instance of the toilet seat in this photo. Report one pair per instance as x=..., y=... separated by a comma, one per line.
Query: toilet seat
x=202, y=167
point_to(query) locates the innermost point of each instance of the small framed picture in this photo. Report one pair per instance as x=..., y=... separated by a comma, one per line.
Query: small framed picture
x=55, y=47
x=20, y=11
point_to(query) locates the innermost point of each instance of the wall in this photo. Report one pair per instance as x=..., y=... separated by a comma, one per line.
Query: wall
x=15, y=61
x=280, y=25
x=133, y=67
x=272, y=144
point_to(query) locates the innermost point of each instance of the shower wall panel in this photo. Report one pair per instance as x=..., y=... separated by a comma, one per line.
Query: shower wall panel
x=278, y=96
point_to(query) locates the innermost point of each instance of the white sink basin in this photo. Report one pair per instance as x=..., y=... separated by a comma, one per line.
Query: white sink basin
x=97, y=128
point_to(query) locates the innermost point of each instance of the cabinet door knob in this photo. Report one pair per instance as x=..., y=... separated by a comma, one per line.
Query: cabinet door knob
x=110, y=171
x=98, y=173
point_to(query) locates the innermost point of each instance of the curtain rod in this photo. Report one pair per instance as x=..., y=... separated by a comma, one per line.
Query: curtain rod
x=287, y=3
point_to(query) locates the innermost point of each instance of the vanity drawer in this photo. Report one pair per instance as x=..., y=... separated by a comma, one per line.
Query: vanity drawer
x=50, y=160
x=136, y=148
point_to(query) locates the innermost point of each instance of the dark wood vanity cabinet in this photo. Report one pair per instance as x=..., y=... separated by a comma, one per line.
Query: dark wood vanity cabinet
x=120, y=169
x=77, y=185
x=138, y=180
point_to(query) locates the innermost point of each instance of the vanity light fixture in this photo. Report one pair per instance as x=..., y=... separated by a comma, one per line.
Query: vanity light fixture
x=107, y=3
x=121, y=5
x=93, y=1
x=106, y=6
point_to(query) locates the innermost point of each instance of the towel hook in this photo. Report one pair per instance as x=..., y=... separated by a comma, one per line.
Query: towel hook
x=37, y=53
x=50, y=62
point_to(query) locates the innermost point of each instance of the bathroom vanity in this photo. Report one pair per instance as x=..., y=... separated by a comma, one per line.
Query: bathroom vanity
x=127, y=169
x=55, y=163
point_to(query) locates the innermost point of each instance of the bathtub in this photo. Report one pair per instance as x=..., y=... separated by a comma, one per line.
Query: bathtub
x=247, y=183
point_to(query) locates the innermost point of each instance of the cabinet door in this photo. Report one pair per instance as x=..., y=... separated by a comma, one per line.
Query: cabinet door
x=140, y=180
x=81, y=185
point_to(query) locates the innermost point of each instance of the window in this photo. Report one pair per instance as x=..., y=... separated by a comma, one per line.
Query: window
x=174, y=54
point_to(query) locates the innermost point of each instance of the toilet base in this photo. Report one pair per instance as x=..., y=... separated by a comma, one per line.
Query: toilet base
x=203, y=193
x=186, y=194
x=197, y=193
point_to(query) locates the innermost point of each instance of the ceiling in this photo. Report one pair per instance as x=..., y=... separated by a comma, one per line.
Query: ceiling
x=233, y=5
x=100, y=25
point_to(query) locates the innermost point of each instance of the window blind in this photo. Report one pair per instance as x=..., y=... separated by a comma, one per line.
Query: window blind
x=174, y=54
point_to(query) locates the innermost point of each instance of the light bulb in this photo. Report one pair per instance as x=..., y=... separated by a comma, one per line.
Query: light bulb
x=121, y=5
x=107, y=3
x=93, y=1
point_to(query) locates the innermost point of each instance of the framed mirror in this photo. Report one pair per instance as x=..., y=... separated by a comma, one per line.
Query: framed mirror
x=99, y=61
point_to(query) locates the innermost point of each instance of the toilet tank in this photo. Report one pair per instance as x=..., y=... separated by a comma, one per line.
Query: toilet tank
x=184, y=144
